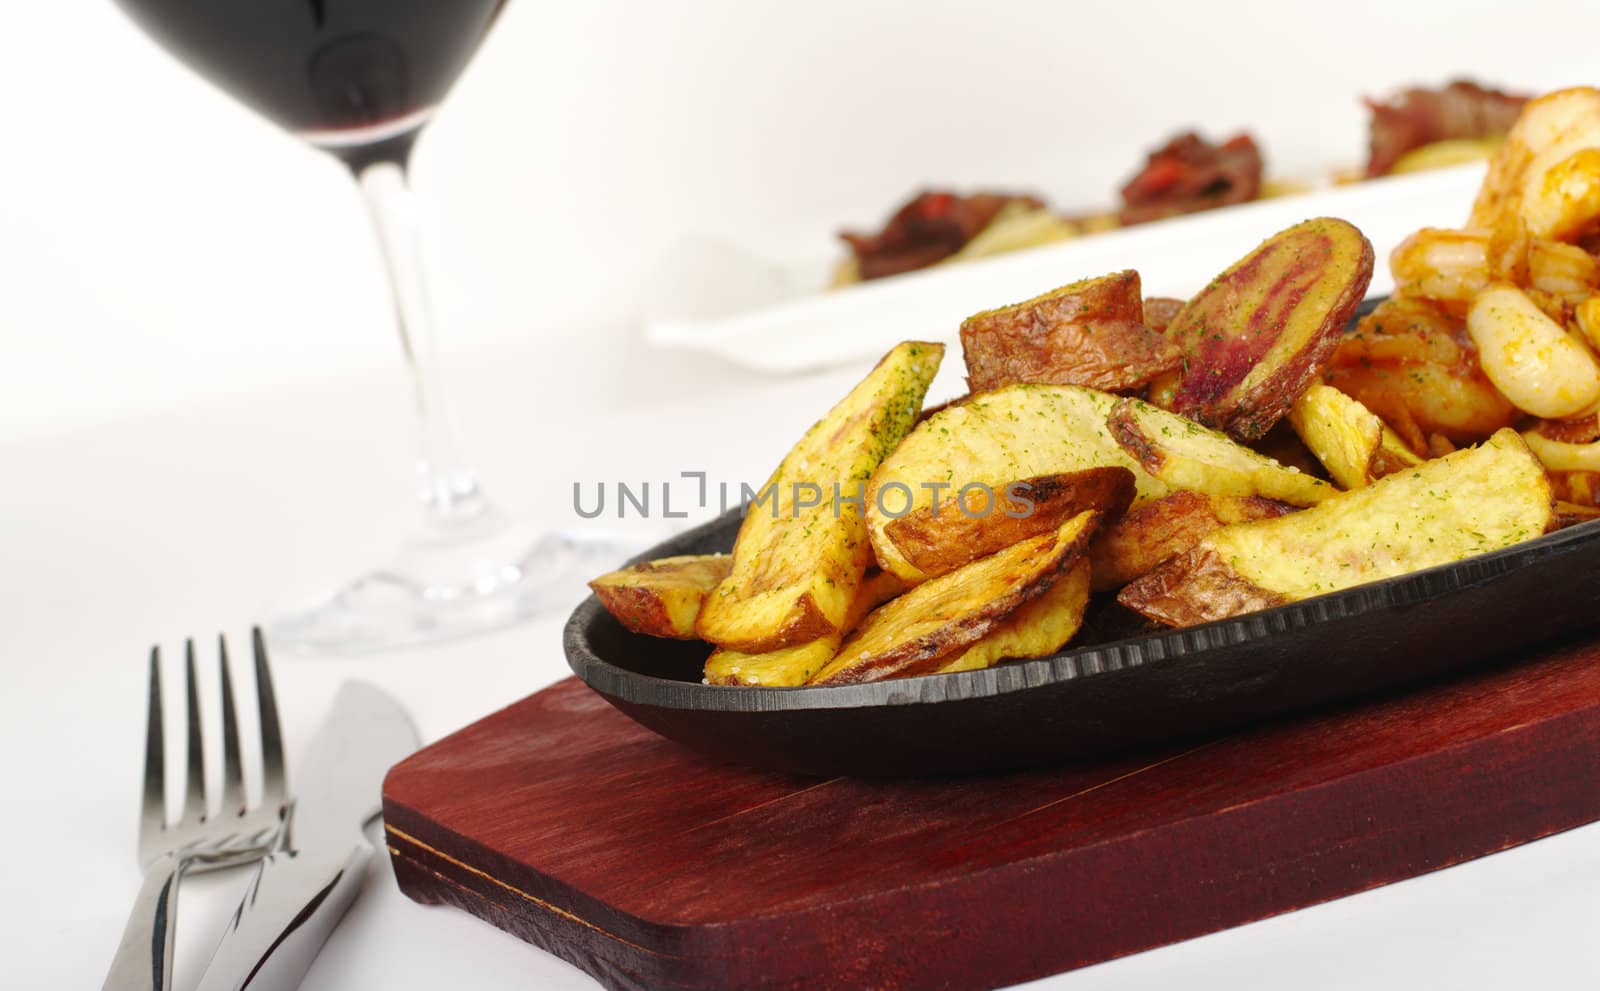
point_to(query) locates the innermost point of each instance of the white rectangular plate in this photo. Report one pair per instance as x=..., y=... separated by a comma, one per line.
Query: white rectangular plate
x=1174, y=257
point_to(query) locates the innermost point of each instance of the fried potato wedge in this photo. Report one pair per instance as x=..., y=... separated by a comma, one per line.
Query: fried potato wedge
x=1473, y=501
x=1572, y=513
x=994, y=439
x=940, y=619
x=1349, y=439
x=788, y=666
x=781, y=668
x=942, y=537
x=1159, y=311
x=1149, y=534
x=1158, y=314
x=1261, y=331
x=1089, y=333
x=1579, y=487
x=662, y=598
x=1037, y=629
x=798, y=560
x=1186, y=455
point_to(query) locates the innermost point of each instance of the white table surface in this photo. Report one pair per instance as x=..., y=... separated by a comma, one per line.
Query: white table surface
x=195, y=423
x=197, y=521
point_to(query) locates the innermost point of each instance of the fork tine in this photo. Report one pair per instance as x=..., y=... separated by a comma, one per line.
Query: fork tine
x=194, y=801
x=274, y=787
x=233, y=794
x=153, y=816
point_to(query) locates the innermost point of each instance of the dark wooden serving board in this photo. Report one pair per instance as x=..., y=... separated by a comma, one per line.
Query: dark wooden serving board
x=560, y=820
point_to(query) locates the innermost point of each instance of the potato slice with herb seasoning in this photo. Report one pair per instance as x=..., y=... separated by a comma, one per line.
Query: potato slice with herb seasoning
x=785, y=667
x=1261, y=331
x=1471, y=502
x=1037, y=629
x=954, y=532
x=1149, y=534
x=797, y=565
x=1349, y=439
x=938, y=620
x=662, y=598
x=1186, y=455
x=788, y=666
x=993, y=439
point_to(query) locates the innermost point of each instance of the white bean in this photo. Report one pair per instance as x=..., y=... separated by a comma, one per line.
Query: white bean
x=1530, y=358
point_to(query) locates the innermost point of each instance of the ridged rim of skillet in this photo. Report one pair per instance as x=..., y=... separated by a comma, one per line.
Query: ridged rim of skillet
x=1015, y=676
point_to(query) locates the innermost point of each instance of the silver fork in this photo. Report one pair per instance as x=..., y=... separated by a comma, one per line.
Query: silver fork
x=237, y=834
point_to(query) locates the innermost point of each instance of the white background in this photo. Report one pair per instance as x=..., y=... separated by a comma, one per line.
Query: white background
x=200, y=405
x=157, y=242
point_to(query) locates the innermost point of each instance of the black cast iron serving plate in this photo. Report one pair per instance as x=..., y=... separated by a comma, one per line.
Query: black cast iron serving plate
x=1089, y=701
x=1097, y=698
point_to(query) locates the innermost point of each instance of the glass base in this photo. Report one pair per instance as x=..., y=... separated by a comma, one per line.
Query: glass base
x=450, y=586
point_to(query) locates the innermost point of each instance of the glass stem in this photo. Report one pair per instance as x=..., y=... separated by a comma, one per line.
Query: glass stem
x=449, y=493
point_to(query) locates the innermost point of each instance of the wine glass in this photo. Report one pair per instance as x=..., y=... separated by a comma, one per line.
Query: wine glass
x=359, y=79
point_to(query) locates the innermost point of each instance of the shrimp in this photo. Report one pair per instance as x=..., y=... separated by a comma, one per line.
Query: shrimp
x=1443, y=265
x=1587, y=317
x=1412, y=362
x=1453, y=266
x=1546, y=177
x=1567, y=201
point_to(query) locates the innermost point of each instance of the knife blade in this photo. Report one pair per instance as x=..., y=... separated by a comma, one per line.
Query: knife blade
x=304, y=886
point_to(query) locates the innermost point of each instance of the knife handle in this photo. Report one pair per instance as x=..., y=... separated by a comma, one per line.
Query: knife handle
x=144, y=957
x=291, y=908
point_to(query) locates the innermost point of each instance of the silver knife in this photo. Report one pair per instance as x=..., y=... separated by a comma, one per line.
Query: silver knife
x=303, y=888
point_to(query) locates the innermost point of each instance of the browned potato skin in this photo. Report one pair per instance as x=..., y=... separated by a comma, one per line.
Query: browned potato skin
x=1196, y=587
x=1151, y=533
x=1386, y=462
x=1159, y=312
x=1189, y=457
x=790, y=665
x=661, y=598
x=1571, y=514
x=940, y=544
x=1028, y=577
x=1245, y=365
x=1089, y=333
x=1580, y=488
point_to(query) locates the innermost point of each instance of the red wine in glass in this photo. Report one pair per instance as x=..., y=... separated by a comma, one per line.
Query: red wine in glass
x=355, y=77
x=359, y=79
